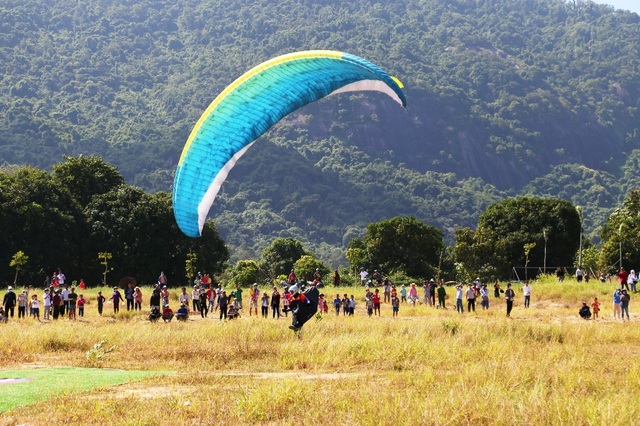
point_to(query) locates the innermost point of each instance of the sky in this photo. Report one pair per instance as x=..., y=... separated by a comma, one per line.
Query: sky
x=632, y=5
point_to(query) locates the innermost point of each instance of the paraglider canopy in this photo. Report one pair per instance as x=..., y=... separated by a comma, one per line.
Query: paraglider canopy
x=249, y=106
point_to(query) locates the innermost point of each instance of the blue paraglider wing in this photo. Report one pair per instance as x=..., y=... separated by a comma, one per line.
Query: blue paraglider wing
x=249, y=107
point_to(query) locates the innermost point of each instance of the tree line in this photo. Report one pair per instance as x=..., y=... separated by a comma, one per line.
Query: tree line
x=73, y=217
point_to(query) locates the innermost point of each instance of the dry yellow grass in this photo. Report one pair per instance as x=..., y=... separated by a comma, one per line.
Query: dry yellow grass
x=543, y=366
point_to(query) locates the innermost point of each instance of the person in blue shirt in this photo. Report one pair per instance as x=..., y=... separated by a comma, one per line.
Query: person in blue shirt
x=617, y=295
x=183, y=313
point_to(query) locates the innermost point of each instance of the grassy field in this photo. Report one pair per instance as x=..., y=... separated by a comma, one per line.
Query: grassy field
x=542, y=366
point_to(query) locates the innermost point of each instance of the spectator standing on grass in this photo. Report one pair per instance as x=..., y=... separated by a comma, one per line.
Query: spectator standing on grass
x=442, y=296
x=291, y=278
x=238, y=296
x=35, y=307
x=369, y=305
x=413, y=294
x=509, y=296
x=395, y=305
x=579, y=274
x=275, y=303
x=336, y=278
x=65, y=299
x=164, y=295
x=204, y=310
x=46, y=304
x=352, y=305
x=254, y=295
x=426, y=291
x=632, y=280
x=497, y=290
x=403, y=294
x=623, y=275
x=162, y=279
x=624, y=304
x=484, y=297
x=56, y=301
x=337, y=302
x=23, y=301
x=286, y=301
x=116, y=298
x=617, y=295
x=345, y=305
x=459, y=306
x=100, y=299
x=137, y=299
x=265, y=306
x=81, y=302
x=195, y=298
x=386, y=286
x=375, y=297
x=596, y=308
x=560, y=274
x=471, y=298
x=363, y=276
x=73, y=299
x=527, y=294
x=128, y=295
x=223, y=304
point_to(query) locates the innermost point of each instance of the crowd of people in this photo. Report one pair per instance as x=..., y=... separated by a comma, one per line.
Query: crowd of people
x=61, y=300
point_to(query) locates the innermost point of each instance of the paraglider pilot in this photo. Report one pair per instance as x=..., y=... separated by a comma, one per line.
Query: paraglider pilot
x=303, y=306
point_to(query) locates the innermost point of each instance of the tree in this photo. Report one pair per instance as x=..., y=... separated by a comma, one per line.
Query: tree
x=18, y=261
x=306, y=266
x=140, y=230
x=404, y=244
x=85, y=177
x=508, y=225
x=246, y=272
x=619, y=233
x=105, y=257
x=190, y=265
x=279, y=256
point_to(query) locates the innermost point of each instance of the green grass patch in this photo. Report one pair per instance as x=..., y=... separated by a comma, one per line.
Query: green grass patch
x=58, y=382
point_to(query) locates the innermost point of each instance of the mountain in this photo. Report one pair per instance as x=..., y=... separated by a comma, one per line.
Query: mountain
x=506, y=97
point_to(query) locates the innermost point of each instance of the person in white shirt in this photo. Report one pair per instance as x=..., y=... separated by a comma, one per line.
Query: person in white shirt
x=195, y=298
x=64, y=294
x=363, y=276
x=527, y=294
x=46, y=299
x=183, y=298
x=579, y=274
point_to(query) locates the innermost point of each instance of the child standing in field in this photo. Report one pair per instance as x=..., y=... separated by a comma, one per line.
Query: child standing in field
x=321, y=303
x=81, y=303
x=369, y=304
x=596, y=308
x=352, y=305
x=345, y=305
x=403, y=294
x=395, y=305
x=100, y=299
x=35, y=307
x=337, y=303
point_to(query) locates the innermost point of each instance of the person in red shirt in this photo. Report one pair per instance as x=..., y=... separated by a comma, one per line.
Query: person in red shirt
x=376, y=302
x=623, y=275
x=292, y=279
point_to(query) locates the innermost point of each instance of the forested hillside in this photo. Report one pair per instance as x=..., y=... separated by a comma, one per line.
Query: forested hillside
x=506, y=97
